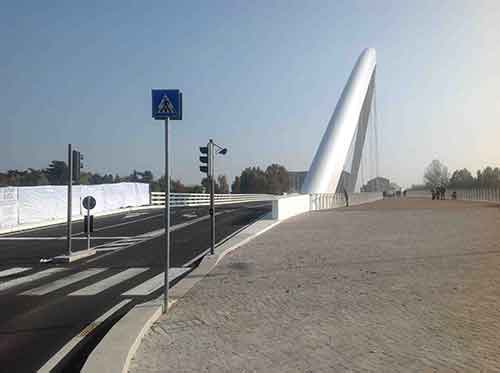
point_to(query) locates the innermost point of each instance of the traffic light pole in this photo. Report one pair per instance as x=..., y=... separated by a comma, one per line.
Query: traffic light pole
x=166, y=219
x=212, y=192
x=70, y=182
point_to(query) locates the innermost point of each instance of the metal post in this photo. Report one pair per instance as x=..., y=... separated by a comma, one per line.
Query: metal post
x=70, y=182
x=166, y=220
x=212, y=191
x=88, y=229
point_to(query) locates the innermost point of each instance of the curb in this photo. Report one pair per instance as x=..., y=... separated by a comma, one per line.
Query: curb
x=116, y=350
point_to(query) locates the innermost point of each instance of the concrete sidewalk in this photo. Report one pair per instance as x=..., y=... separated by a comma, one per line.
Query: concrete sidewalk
x=393, y=286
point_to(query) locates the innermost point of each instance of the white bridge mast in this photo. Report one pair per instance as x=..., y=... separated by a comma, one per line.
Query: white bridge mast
x=351, y=114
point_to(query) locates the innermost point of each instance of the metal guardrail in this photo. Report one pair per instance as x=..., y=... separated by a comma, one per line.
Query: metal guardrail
x=202, y=199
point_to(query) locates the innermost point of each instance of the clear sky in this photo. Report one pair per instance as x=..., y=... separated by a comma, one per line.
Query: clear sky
x=260, y=77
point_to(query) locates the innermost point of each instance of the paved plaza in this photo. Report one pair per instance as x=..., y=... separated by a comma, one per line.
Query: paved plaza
x=407, y=285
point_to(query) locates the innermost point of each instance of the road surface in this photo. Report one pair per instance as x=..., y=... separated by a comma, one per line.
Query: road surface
x=43, y=306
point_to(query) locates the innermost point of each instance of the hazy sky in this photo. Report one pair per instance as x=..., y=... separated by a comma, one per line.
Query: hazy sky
x=260, y=77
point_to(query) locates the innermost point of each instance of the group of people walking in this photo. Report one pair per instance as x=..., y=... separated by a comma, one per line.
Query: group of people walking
x=438, y=192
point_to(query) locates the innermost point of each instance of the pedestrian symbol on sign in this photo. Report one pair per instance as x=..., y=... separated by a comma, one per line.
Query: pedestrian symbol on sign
x=165, y=106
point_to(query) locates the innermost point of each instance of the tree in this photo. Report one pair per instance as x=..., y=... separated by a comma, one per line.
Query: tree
x=461, y=179
x=235, y=186
x=253, y=180
x=436, y=174
x=147, y=176
x=57, y=173
x=222, y=186
x=277, y=179
x=176, y=186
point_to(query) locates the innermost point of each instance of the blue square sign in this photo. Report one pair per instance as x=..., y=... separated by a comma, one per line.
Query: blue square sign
x=167, y=104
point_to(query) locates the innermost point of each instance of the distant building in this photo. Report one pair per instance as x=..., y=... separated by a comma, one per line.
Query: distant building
x=377, y=184
x=296, y=180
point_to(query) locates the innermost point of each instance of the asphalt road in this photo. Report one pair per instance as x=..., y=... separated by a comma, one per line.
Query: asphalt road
x=43, y=306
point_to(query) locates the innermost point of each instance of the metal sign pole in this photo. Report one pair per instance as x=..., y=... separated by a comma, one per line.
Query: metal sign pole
x=88, y=229
x=212, y=191
x=70, y=182
x=166, y=219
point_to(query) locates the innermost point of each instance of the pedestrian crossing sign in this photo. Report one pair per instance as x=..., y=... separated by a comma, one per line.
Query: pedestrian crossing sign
x=167, y=104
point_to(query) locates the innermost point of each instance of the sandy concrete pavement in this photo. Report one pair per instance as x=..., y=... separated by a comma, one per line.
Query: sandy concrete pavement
x=392, y=286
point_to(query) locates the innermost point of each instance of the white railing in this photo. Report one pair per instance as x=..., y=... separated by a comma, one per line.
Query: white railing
x=476, y=194
x=203, y=199
x=472, y=194
x=323, y=201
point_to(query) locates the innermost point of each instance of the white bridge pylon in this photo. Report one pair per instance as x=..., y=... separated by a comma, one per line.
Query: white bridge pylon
x=349, y=119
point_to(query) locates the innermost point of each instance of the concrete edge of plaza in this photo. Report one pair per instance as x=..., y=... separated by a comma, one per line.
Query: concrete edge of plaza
x=54, y=222
x=116, y=350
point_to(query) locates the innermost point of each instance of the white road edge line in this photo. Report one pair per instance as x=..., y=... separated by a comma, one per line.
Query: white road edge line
x=56, y=358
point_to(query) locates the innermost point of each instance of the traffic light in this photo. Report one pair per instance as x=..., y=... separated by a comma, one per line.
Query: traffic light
x=205, y=159
x=77, y=165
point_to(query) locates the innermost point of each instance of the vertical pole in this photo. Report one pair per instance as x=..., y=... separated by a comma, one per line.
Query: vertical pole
x=70, y=182
x=88, y=229
x=166, y=219
x=212, y=191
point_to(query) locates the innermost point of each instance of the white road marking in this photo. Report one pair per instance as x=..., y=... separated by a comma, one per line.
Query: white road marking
x=33, y=277
x=59, y=284
x=156, y=282
x=62, y=238
x=55, y=359
x=134, y=215
x=12, y=271
x=109, y=282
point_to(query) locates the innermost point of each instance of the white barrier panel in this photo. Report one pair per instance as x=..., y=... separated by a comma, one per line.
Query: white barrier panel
x=8, y=207
x=24, y=205
x=286, y=207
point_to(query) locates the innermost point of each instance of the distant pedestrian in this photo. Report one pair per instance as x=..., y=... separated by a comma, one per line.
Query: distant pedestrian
x=346, y=196
x=443, y=192
x=454, y=195
x=433, y=192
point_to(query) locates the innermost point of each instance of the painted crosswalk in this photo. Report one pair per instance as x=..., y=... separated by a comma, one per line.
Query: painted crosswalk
x=109, y=282
x=156, y=282
x=33, y=277
x=63, y=282
x=88, y=282
x=12, y=271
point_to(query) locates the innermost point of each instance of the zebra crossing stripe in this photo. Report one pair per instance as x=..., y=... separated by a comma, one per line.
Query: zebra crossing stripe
x=109, y=282
x=155, y=282
x=33, y=277
x=12, y=271
x=59, y=284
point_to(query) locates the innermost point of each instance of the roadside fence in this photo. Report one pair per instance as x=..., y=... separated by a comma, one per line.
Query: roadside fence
x=203, y=199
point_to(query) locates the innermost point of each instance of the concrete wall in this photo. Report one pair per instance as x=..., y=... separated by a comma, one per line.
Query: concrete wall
x=288, y=206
